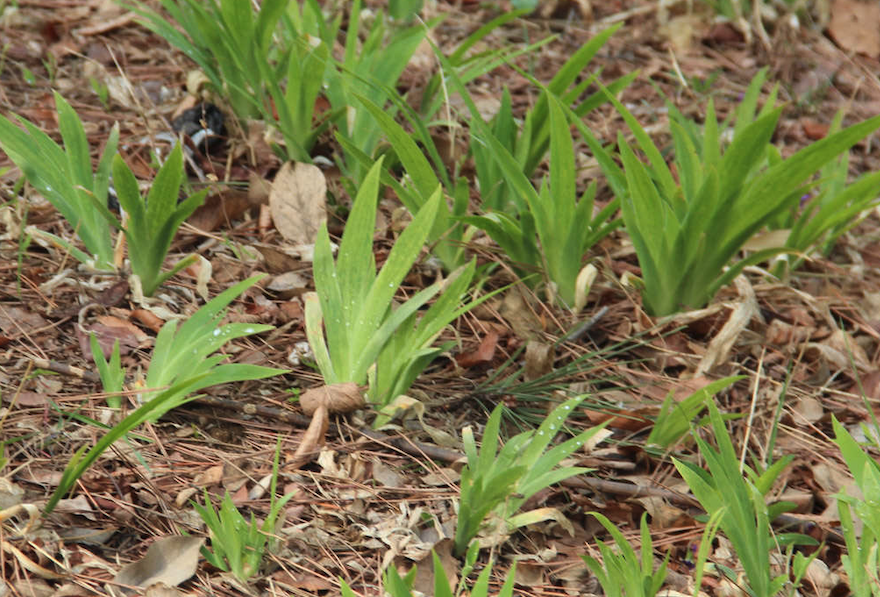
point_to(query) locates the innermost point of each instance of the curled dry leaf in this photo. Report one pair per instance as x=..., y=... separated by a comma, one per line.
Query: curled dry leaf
x=221, y=208
x=312, y=439
x=720, y=346
x=336, y=398
x=319, y=403
x=298, y=202
x=781, y=333
x=32, y=512
x=148, y=318
x=28, y=564
x=539, y=360
x=483, y=355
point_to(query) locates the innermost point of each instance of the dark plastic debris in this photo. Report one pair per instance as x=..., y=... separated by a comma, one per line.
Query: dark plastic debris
x=204, y=124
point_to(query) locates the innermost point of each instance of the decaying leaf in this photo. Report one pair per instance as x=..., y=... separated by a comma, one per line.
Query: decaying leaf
x=298, y=202
x=808, y=410
x=386, y=475
x=319, y=403
x=583, y=283
x=424, y=582
x=483, y=355
x=336, y=398
x=312, y=439
x=219, y=209
x=10, y=493
x=854, y=26
x=539, y=360
x=170, y=560
x=161, y=590
x=28, y=564
x=722, y=343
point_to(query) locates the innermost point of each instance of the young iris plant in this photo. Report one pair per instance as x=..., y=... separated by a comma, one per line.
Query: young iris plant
x=503, y=481
x=557, y=229
x=353, y=302
x=529, y=141
x=675, y=417
x=111, y=372
x=819, y=212
x=64, y=177
x=396, y=586
x=862, y=560
x=238, y=545
x=233, y=46
x=739, y=504
x=542, y=213
x=183, y=363
x=830, y=208
x=150, y=223
x=623, y=572
x=370, y=71
x=686, y=230
x=274, y=62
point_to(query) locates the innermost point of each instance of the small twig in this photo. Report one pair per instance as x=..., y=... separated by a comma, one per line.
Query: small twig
x=64, y=369
x=578, y=332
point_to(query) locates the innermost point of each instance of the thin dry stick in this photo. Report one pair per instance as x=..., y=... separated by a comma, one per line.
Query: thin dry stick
x=742, y=458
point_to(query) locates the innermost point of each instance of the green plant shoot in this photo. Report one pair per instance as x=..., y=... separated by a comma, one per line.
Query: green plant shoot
x=65, y=178
x=150, y=223
x=182, y=366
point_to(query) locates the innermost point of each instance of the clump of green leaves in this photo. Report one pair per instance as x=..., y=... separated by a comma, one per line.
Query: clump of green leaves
x=818, y=212
x=397, y=586
x=675, y=418
x=353, y=303
x=238, y=545
x=623, y=572
x=862, y=559
x=548, y=230
x=111, y=372
x=150, y=223
x=831, y=207
x=273, y=60
x=447, y=235
x=232, y=42
x=557, y=228
x=64, y=177
x=737, y=503
x=686, y=230
x=529, y=140
x=182, y=363
x=503, y=481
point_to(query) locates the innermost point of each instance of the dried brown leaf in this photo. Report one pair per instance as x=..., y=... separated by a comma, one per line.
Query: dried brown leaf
x=336, y=398
x=424, y=582
x=298, y=202
x=312, y=439
x=148, y=318
x=854, y=26
x=170, y=560
x=483, y=355
x=539, y=360
x=160, y=589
